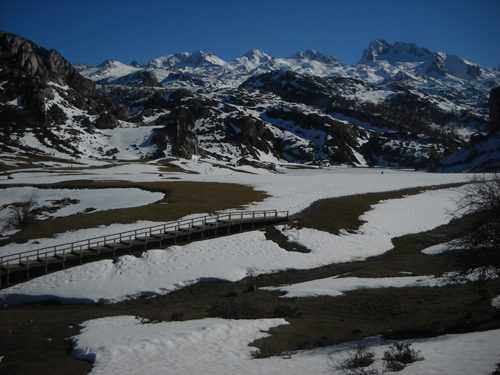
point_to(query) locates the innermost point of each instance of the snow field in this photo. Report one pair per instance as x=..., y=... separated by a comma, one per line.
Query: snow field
x=235, y=257
x=122, y=345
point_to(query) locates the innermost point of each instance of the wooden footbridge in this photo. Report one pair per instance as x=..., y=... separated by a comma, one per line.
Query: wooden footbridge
x=21, y=266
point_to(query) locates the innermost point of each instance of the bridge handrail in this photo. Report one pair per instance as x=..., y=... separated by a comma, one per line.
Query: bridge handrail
x=130, y=235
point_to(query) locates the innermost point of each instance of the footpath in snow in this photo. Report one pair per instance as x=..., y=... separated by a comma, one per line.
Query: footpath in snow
x=235, y=257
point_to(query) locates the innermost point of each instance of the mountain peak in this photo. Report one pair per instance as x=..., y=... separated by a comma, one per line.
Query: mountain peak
x=381, y=49
x=409, y=56
x=256, y=54
x=108, y=63
x=315, y=55
x=374, y=50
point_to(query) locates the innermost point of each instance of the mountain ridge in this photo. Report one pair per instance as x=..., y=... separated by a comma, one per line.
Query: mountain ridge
x=257, y=109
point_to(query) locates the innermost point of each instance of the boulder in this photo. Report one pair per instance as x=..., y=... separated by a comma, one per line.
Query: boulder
x=122, y=113
x=112, y=152
x=106, y=121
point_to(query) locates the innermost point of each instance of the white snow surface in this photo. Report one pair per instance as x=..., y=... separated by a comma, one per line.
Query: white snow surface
x=334, y=286
x=122, y=345
x=100, y=199
x=291, y=190
x=496, y=302
x=388, y=219
x=234, y=257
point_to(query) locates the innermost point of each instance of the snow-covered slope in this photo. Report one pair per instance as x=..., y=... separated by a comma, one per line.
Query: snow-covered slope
x=409, y=57
x=400, y=106
x=410, y=107
x=379, y=62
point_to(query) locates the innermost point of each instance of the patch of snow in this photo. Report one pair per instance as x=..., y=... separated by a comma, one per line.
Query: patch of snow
x=233, y=257
x=335, y=287
x=122, y=345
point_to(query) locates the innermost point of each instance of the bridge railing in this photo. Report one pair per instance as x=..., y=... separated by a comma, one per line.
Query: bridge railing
x=159, y=232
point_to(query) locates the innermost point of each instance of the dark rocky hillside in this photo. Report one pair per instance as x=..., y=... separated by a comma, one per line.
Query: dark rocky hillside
x=256, y=110
x=38, y=87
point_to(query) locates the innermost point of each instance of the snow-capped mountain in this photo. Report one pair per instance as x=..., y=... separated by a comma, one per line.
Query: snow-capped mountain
x=197, y=59
x=390, y=59
x=400, y=105
x=250, y=60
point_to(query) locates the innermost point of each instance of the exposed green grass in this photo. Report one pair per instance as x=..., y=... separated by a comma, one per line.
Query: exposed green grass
x=332, y=215
x=30, y=161
x=181, y=199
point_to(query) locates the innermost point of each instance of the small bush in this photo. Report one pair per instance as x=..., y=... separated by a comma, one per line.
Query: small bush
x=400, y=355
x=21, y=214
x=358, y=361
x=497, y=370
x=393, y=366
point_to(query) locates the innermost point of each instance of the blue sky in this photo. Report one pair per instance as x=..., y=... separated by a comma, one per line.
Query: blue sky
x=92, y=31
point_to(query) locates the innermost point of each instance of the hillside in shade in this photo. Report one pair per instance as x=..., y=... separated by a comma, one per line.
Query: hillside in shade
x=401, y=106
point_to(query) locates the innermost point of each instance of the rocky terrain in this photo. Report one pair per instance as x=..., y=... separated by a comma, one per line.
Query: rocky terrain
x=401, y=106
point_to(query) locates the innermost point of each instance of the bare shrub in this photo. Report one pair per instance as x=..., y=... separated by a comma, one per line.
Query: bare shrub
x=476, y=251
x=358, y=361
x=497, y=370
x=21, y=214
x=393, y=366
x=398, y=356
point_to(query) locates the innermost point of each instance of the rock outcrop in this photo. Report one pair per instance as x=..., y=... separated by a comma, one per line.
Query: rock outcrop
x=494, y=105
x=177, y=134
x=49, y=93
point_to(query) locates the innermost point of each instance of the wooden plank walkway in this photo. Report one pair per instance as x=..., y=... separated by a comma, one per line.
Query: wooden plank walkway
x=33, y=263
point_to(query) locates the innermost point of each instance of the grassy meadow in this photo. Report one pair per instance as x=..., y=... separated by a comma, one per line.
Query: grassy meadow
x=33, y=338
